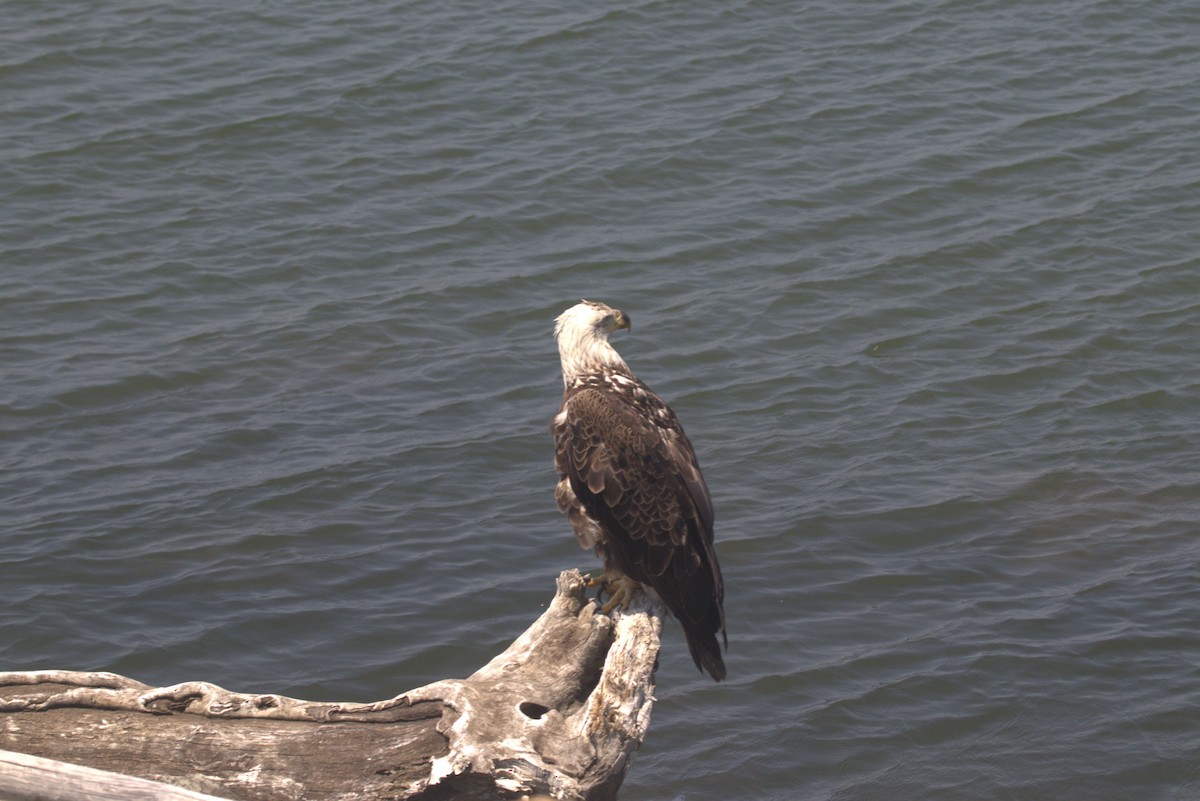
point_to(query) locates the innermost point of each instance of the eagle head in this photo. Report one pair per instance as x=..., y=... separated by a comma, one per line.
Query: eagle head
x=598, y=319
x=582, y=333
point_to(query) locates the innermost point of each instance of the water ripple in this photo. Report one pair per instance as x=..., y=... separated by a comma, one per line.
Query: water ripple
x=919, y=280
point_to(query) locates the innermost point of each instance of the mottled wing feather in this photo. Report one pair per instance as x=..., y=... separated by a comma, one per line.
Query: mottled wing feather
x=634, y=472
x=684, y=458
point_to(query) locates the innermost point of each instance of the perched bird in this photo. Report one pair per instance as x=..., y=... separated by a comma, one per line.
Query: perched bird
x=630, y=483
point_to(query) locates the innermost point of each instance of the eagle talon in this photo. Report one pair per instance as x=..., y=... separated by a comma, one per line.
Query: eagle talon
x=599, y=584
x=620, y=589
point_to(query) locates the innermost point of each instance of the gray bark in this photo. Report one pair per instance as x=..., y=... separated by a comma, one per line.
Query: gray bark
x=560, y=712
x=30, y=778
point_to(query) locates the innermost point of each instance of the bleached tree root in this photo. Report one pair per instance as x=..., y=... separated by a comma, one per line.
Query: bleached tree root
x=560, y=712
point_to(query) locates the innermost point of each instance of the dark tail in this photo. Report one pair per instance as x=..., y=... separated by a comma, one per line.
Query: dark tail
x=706, y=651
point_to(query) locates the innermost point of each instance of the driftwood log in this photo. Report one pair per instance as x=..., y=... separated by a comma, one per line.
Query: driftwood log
x=559, y=713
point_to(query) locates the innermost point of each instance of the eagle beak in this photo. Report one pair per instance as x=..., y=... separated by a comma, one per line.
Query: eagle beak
x=623, y=321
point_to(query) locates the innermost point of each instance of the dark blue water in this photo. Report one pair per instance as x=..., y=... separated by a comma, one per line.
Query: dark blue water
x=922, y=280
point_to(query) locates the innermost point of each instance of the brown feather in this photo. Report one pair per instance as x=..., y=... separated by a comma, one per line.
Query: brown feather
x=637, y=482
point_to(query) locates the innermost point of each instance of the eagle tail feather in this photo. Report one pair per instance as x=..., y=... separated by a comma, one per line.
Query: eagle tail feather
x=706, y=652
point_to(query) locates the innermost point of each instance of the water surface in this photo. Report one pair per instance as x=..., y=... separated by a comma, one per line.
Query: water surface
x=920, y=279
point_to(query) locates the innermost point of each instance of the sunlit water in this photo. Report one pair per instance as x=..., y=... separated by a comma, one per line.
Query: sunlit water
x=921, y=280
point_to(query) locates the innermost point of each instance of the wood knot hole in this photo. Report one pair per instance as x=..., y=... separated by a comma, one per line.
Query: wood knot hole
x=531, y=710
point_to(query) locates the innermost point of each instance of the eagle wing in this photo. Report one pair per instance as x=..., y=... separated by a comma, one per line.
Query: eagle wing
x=635, y=474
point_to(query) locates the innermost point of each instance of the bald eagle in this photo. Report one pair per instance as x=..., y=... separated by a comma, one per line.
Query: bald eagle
x=630, y=483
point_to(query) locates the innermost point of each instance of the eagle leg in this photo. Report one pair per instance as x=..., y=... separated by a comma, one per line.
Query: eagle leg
x=621, y=590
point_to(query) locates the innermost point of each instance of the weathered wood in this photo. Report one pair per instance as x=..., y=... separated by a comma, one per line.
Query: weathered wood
x=561, y=711
x=31, y=778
